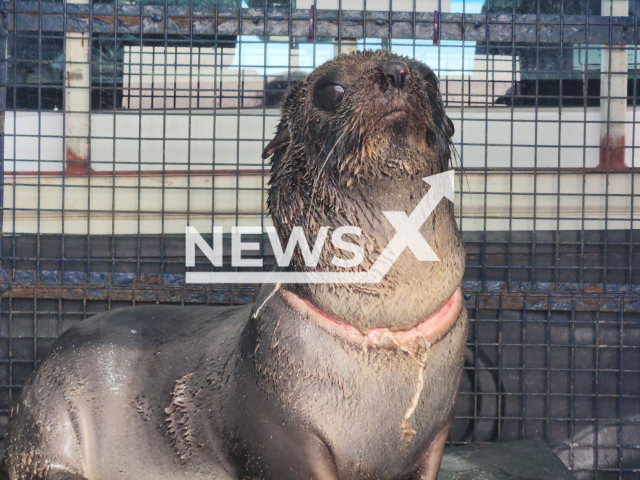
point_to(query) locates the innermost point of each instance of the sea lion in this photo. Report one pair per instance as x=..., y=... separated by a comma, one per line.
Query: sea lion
x=317, y=381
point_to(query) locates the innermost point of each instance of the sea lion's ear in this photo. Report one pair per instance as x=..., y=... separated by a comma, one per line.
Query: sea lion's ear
x=281, y=140
x=450, y=128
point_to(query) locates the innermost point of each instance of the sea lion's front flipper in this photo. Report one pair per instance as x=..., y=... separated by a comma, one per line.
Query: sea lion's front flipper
x=433, y=457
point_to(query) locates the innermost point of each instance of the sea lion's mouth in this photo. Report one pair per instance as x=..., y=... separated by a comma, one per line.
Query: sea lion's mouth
x=428, y=332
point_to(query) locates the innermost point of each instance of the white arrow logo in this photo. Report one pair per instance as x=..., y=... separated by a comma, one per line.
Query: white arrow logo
x=407, y=235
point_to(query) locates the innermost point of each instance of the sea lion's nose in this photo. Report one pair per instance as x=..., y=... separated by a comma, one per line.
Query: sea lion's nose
x=396, y=72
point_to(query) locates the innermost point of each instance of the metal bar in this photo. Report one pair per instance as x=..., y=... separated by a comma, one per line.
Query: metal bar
x=613, y=93
x=77, y=97
x=147, y=289
x=174, y=20
x=3, y=108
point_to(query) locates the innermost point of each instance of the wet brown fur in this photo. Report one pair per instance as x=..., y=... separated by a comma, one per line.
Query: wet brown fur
x=330, y=152
x=331, y=168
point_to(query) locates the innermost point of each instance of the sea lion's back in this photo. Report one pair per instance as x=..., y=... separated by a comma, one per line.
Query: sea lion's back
x=106, y=376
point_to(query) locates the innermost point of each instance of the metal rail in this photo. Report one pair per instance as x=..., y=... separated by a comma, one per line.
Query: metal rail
x=175, y=20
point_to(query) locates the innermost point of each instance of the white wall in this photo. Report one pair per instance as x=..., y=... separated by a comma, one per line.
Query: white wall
x=128, y=141
x=132, y=204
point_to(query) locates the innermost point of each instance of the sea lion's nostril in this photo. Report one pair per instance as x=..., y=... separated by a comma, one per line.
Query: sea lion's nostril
x=396, y=73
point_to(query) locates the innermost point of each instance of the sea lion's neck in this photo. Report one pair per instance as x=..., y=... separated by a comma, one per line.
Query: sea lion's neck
x=411, y=290
x=289, y=363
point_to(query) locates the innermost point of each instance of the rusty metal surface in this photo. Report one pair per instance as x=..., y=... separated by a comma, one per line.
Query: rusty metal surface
x=176, y=20
x=127, y=287
x=140, y=294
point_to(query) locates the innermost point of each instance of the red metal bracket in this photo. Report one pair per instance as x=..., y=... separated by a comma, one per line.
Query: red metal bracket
x=612, y=153
x=312, y=15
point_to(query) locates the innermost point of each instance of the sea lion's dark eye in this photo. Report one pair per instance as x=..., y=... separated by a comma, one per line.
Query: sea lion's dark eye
x=329, y=95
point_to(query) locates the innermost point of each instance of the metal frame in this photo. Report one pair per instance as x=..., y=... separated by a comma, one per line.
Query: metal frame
x=553, y=275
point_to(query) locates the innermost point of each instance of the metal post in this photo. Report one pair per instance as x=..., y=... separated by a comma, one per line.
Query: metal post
x=613, y=95
x=77, y=100
x=3, y=108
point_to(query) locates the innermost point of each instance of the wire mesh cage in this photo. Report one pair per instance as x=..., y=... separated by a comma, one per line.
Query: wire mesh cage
x=126, y=121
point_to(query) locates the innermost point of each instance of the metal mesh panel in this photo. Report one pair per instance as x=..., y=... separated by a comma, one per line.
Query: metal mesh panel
x=124, y=122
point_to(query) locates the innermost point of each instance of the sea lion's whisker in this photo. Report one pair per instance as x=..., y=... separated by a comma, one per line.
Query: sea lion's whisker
x=315, y=183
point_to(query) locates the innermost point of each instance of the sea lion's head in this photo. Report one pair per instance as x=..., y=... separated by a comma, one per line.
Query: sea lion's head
x=355, y=139
x=357, y=111
x=354, y=119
